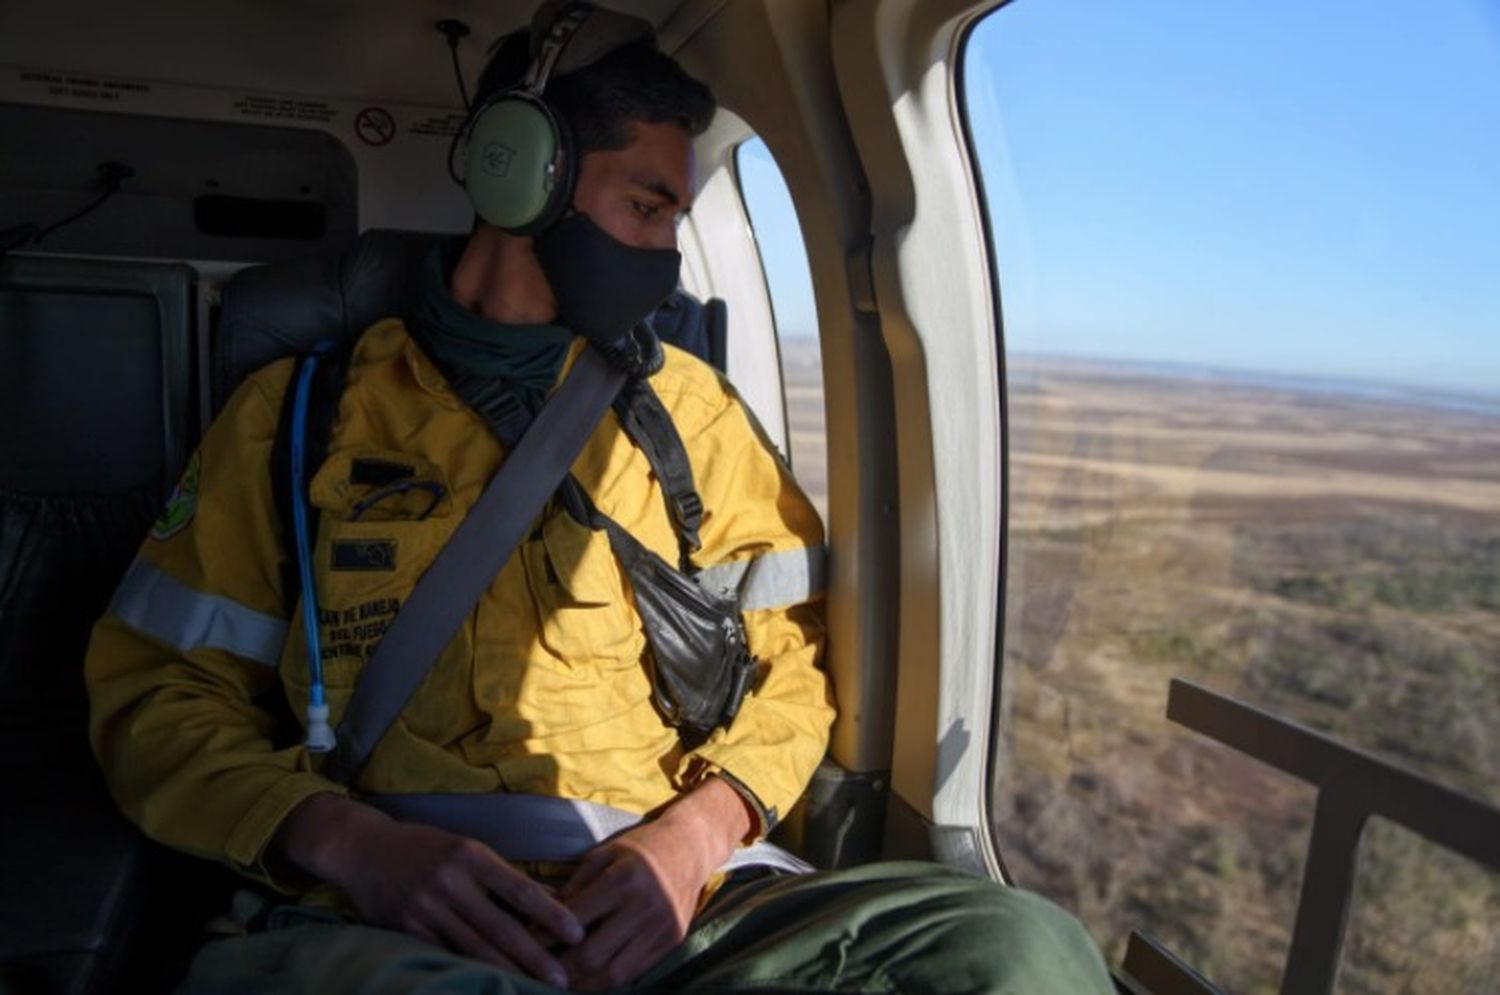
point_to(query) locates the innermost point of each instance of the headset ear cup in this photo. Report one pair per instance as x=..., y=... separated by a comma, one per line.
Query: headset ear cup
x=516, y=161
x=560, y=198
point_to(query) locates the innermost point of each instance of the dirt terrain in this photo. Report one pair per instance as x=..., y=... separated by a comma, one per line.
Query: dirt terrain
x=1333, y=558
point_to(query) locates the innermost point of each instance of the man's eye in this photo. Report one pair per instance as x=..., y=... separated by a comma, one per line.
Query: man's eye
x=646, y=212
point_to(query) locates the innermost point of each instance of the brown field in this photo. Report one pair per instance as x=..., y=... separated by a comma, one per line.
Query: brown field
x=1335, y=560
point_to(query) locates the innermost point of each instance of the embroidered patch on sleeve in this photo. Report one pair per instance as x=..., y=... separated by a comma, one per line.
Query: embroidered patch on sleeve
x=181, y=505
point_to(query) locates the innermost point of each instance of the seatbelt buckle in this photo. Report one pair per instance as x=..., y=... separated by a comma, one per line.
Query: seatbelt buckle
x=637, y=353
x=687, y=511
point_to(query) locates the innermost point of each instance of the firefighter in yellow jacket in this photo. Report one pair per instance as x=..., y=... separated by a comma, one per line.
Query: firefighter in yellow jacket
x=543, y=691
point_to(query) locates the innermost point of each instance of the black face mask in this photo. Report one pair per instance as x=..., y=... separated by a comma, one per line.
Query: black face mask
x=604, y=288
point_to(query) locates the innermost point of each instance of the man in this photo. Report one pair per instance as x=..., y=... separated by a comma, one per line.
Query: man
x=543, y=691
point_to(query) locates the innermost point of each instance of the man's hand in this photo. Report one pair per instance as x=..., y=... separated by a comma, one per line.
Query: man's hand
x=637, y=893
x=446, y=889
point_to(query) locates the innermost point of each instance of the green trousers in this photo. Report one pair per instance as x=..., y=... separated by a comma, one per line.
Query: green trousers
x=892, y=927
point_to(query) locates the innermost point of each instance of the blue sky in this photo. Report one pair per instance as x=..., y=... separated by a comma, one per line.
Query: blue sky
x=1265, y=185
x=779, y=239
x=1273, y=185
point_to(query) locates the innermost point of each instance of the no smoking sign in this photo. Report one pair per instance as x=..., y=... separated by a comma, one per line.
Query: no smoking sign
x=375, y=126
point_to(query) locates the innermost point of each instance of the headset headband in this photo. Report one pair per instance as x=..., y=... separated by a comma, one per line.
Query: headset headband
x=553, y=42
x=519, y=153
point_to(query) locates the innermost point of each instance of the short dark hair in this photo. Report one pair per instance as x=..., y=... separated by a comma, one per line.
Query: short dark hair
x=601, y=101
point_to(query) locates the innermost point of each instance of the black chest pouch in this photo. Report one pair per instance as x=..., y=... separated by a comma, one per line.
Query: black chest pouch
x=698, y=658
x=699, y=663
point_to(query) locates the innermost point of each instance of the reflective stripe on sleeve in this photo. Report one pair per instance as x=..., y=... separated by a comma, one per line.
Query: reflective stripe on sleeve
x=157, y=604
x=771, y=580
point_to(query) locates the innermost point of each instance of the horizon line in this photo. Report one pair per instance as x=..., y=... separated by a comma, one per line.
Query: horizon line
x=1210, y=370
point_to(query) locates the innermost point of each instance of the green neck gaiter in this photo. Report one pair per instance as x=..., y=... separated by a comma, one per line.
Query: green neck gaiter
x=528, y=356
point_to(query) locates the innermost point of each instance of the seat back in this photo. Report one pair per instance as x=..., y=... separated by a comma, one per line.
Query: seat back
x=97, y=373
x=282, y=309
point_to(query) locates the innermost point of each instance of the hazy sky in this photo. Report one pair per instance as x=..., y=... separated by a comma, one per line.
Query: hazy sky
x=1307, y=187
x=782, y=254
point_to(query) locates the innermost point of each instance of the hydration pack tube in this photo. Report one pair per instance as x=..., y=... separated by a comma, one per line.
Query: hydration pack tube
x=698, y=660
x=320, y=737
x=328, y=364
x=641, y=413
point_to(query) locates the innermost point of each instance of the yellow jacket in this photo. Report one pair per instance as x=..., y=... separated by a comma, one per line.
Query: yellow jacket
x=542, y=691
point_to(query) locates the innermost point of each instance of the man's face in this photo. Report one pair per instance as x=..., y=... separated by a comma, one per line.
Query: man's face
x=639, y=193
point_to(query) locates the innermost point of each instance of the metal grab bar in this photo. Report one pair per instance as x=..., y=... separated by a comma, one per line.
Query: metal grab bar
x=1352, y=786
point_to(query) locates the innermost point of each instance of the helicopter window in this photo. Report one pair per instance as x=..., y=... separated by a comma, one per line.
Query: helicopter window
x=1245, y=257
x=783, y=257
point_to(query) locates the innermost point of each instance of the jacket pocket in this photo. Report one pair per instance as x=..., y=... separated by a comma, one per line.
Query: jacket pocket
x=364, y=572
x=375, y=537
x=581, y=599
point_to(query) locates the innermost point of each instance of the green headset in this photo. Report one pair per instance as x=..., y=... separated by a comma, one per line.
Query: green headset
x=519, y=154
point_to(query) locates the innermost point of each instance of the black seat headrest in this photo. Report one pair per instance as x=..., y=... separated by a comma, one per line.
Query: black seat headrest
x=282, y=309
x=268, y=312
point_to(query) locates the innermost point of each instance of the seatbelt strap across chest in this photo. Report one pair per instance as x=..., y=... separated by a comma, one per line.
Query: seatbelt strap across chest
x=472, y=558
x=698, y=655
x=647, y=423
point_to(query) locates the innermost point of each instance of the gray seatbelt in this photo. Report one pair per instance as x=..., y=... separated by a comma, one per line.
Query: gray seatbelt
x=542, y=828
x=472, y=558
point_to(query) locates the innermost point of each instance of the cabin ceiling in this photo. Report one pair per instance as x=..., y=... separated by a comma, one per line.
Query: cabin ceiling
x=386, y=50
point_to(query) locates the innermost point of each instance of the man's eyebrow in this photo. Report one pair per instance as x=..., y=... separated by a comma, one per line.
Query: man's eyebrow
x=661, y=189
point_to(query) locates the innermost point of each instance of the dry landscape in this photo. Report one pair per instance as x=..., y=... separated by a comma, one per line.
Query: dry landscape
x=1333, y=558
